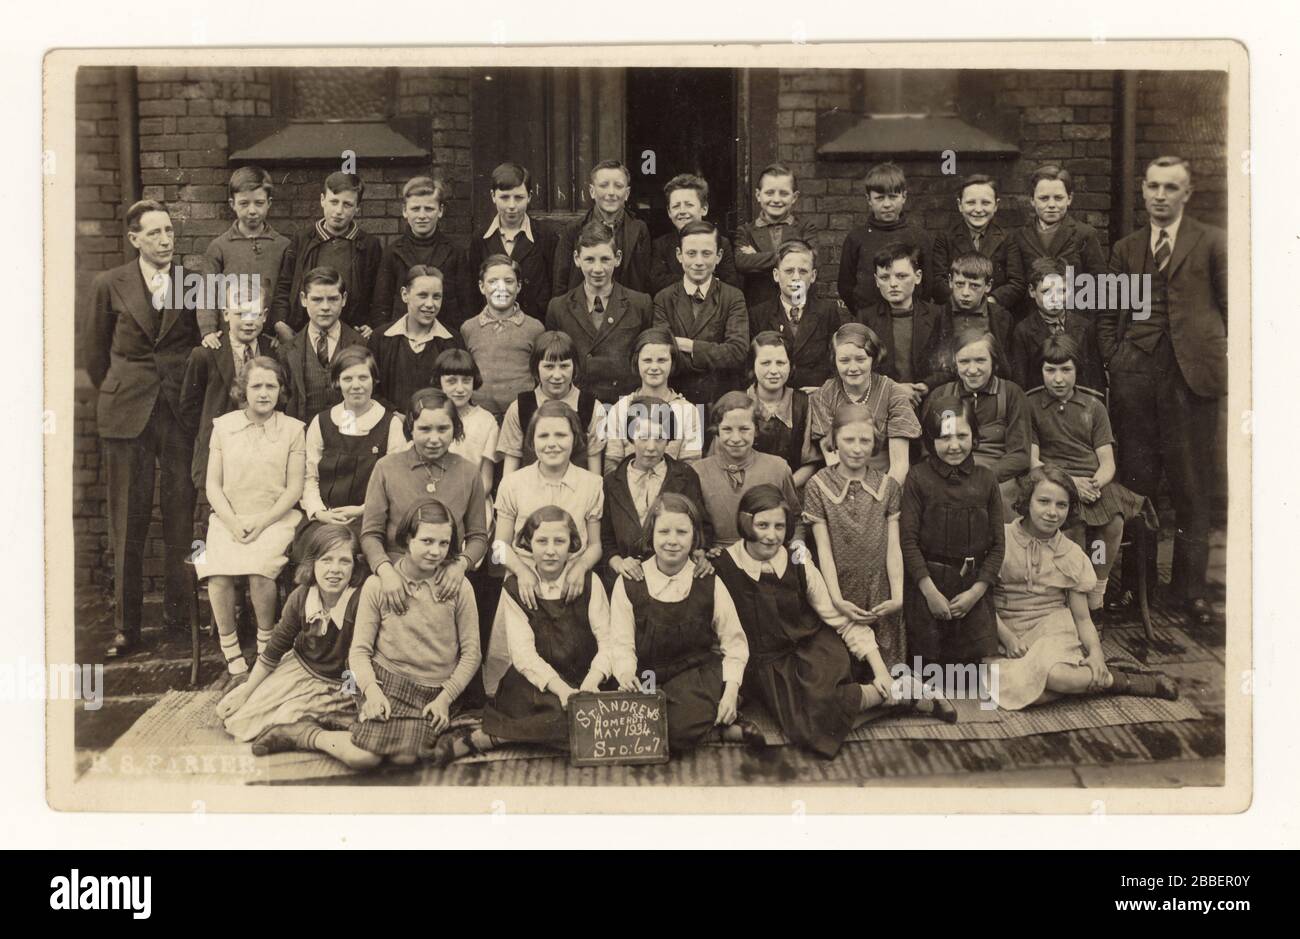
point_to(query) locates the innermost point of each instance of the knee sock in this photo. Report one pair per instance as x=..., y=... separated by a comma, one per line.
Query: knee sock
x=1097, y=594
x=234, y=655
x=263, y=637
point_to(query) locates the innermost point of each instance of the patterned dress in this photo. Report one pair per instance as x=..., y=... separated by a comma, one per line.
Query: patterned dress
x=1032, y=600
x=857, y=516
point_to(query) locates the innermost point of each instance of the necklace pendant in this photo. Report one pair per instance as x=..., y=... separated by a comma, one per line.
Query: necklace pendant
x=431, y=487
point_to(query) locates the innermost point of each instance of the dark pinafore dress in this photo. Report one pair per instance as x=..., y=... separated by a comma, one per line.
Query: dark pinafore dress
x=799, y=667
x=771, y=435
x=346, y=463
x=563, y=637
x=676, y=641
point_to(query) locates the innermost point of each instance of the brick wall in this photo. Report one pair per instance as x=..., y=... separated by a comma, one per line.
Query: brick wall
x=184, y=162
x=1186, y=113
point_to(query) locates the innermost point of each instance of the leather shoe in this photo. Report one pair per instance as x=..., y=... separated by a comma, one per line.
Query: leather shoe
x=1120, y=603
x=1199, y=612
x=123, y=644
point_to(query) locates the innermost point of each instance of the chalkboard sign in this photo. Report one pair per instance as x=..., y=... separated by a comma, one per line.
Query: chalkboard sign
x=616, y=728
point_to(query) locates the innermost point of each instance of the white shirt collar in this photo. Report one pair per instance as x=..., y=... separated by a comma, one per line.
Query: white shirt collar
x=691, y=288
x=237, y=347
x=399, y=328
x=656, y=579
x=1172, y=228
x=312, y=611
x=526, y=228
x=569, y=480
x=571, y=399
x=333, y=332
x=754, y=567
x=659, y=471
x=149, y=271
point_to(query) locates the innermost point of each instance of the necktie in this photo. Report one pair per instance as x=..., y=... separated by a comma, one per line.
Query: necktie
x=975, y=239
x=248, y=355
x=736, y=474
x=597, y=313
x=698, y=296
x=1163, y=250
x=796, y=313
x=158, y=289
x=323, y=349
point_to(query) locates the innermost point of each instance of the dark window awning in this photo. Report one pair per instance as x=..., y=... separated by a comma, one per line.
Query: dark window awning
x=842, y=136
x=263, y=141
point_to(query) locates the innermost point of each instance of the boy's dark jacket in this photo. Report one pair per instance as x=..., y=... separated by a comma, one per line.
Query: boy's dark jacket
x=633, y=272
x=1025, y=358
x=1008, y=277
x=931, y=341
x=620, y=529
x=665, y=268
x=810, y=359
x=536, y=261
x=300, y=257
x=1075, y=244
x=205, y=395
x=402, y=254
x=605, y=358
x=292, y=356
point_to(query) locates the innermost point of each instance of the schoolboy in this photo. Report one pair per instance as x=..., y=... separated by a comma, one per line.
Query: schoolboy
x=1050, y=318
x=970, y=302
x=609, y=186
x=977, y=230
x=501, y=337
x=915, y=333
x=406, y=349
x=757, y=241
x=806, y=321
x=687, y=199
x=514, y=234
x=706, y=317
x=887, y=223
x=211, y=372
x=307, y=357
x=250, y=247
x=601, y=316
x=1053, y=232
x=424, y=202
x=336, y=242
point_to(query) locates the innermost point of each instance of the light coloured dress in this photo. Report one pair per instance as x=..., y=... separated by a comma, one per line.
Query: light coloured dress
x=255, y=463
x=856, y=515
x=1032, y=600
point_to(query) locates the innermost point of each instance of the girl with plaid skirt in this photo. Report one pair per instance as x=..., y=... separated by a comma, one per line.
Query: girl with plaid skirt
x=410, y=667
x=558, y=645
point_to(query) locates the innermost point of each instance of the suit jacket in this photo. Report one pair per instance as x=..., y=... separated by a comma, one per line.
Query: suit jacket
x=536, y=260
x=756, y=269
x=605, y=357
x=293, y=359
x=1075, y=243
x=1025, y=356
x=665, y=268
x=1198, y=302
x=136, y=354
x=810, y=359
x=1008, y=276
x=458, y=286
x=633, y=239
x=205, y=395
x=720, y=335
x=931, y=338
x=300, y=257
x=620, y=529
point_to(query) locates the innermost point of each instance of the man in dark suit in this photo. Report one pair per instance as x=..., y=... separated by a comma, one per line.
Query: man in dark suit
x=706, y=317
x=307, y=357
x=528, y=242
x=601, y=316
x=139, y=341
x=1168, y=363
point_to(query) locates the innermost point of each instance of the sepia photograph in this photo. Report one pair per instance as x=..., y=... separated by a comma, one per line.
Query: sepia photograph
x=649, y=428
